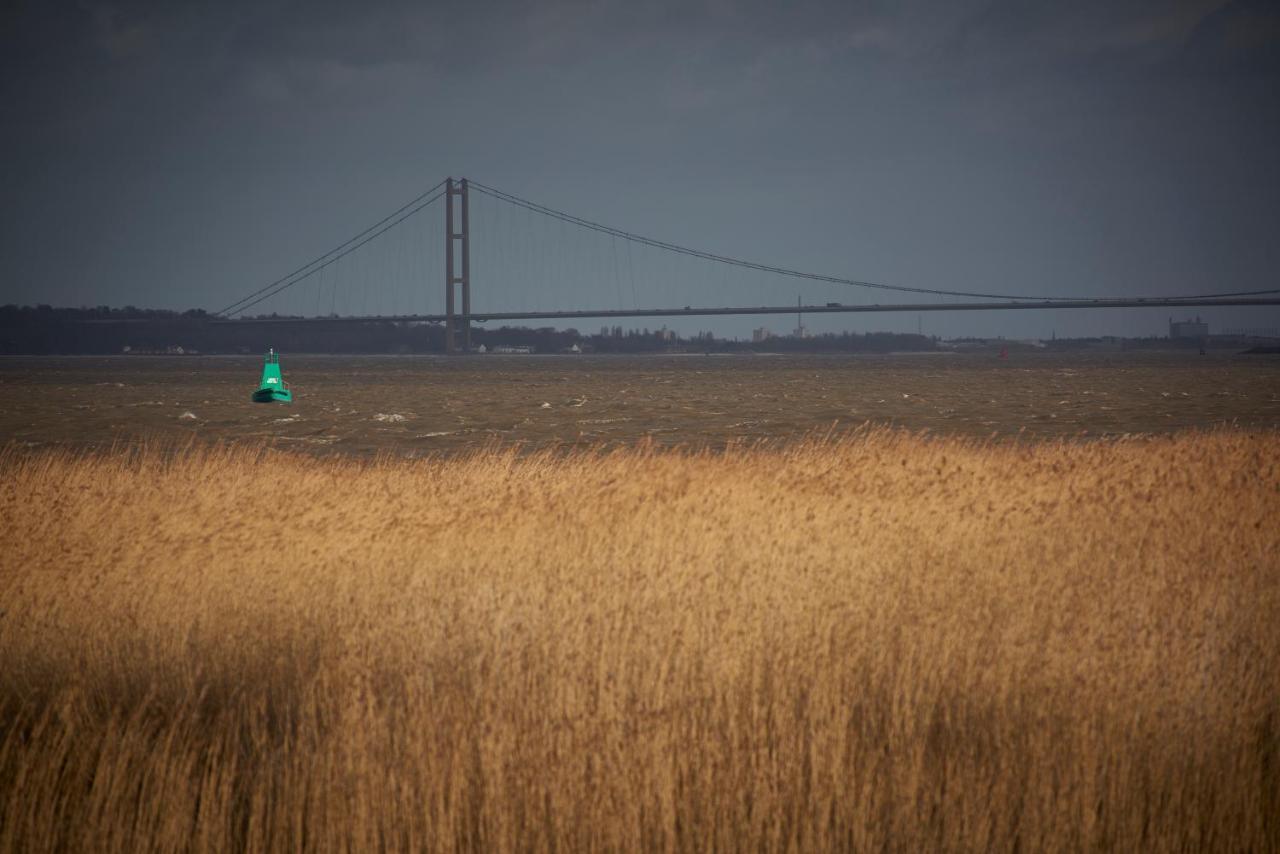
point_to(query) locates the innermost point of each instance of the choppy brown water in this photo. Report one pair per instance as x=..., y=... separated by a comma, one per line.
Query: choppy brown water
x=421, y=404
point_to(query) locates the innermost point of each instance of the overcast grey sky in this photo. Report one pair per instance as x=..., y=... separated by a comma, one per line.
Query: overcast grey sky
x=180, y=155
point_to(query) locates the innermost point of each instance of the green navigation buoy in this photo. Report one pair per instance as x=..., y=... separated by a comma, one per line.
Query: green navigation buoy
x=273, y=388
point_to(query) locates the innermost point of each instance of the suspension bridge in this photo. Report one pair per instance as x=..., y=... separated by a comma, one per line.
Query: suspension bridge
x=541, y=263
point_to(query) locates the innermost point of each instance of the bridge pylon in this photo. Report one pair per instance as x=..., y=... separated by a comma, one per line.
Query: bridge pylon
x=457, y=256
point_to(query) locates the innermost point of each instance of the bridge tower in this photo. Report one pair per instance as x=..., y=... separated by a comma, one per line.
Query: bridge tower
x=457, y=256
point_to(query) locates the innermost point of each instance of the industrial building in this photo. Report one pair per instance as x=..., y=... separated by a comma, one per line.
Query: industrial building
x=1188, y=328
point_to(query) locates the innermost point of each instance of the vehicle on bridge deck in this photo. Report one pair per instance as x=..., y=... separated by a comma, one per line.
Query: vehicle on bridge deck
x=272, y=388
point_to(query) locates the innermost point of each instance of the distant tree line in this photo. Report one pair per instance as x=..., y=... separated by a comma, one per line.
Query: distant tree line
x=102, y=330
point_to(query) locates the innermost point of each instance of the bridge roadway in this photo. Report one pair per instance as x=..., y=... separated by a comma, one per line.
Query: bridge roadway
x=827, y=308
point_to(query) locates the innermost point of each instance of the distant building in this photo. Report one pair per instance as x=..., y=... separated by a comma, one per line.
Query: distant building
x=1254, y=332
x=513, y=349
x=1188, y=328
x=761, y=334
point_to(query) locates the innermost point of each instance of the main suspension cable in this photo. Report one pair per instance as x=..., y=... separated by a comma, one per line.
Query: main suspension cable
x=237, y=305
x=287, y=281
x=799, y=274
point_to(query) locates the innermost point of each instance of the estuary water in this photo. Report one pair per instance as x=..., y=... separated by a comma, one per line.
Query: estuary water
x=416, y=405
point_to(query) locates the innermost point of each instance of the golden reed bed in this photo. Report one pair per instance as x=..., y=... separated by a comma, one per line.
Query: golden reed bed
x=875, y=642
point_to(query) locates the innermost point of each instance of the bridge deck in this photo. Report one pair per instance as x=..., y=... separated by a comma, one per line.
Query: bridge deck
x=828, y=308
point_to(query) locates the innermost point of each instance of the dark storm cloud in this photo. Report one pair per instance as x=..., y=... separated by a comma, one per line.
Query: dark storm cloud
x=1101, y=146
x=228, y=41
x=62, y=60
x=1242, y=38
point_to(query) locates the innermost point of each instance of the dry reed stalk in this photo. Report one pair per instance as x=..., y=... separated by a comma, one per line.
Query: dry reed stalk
x=870, y=642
